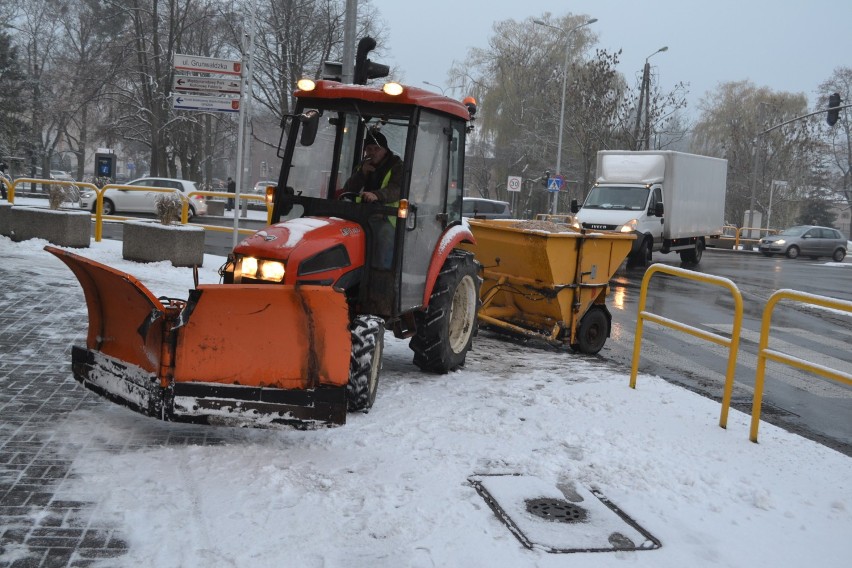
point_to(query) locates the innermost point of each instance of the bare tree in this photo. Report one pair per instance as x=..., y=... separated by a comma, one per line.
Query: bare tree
x=838, y=137
x=733, y=125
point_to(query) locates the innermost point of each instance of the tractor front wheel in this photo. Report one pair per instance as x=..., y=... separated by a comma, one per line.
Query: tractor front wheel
x=446, y=328
x=365, y=362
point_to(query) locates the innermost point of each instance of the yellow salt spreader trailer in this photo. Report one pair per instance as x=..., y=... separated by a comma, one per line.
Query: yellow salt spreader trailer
x=547, y=280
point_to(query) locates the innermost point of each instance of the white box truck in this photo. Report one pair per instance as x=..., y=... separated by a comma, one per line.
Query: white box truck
x=671, y=201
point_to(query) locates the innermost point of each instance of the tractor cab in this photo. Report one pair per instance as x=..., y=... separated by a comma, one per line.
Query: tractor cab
x=342, y=235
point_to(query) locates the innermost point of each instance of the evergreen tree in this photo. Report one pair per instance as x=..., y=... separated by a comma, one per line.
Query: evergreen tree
x=12, y=128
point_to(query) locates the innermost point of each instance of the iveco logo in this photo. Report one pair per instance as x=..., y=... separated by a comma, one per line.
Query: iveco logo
x=597, y=226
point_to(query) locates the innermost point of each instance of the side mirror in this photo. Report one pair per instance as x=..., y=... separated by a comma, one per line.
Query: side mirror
x=658, y=209
x=310, y=125
x=575, y=207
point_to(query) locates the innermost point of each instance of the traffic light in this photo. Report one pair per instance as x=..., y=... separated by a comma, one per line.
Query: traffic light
x=833, y=108
x=364, y=68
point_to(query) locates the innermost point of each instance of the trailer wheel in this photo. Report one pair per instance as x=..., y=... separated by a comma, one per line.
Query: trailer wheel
x=445, y=330
x=593, y=331
x=365, y=362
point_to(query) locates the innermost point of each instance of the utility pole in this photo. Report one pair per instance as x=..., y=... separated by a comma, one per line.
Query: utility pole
x=349, y=30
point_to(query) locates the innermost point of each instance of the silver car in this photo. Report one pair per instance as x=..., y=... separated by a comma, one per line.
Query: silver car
x=480, y=208
x=125, y=201
x=808, y=240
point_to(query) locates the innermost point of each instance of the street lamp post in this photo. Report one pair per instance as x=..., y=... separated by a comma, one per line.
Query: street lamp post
x=553, y=206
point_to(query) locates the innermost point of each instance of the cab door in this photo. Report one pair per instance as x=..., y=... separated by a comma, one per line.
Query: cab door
x=428, y=189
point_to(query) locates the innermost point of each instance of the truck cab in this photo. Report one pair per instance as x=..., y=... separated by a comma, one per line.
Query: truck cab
x=626, y=208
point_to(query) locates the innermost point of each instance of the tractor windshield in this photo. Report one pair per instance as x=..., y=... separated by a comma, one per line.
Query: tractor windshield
x=322, y=168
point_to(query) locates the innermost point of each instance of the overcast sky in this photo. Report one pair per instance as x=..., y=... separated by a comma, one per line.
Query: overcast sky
x=785, y=45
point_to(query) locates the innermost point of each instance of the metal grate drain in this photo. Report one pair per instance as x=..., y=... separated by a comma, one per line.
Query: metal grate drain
x=557, y=510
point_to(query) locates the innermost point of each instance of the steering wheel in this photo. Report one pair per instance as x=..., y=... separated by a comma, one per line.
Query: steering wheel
x=348, y=196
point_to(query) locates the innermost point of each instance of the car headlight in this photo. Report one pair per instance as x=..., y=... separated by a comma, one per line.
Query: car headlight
x=780, y=242
x=270, y=270
x=87, y=194
x=629, y=226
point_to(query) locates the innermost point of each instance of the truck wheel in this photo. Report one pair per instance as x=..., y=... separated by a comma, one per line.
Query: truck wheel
x=593, y=331
x=793, y=252
x=693, y=255
x=642, y=257
x=446, y=328
x=839, y=255
x=365, y=362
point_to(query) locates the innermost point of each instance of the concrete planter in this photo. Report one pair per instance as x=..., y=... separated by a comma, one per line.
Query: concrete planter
x=183, y=245
x=5, y=222
x=216, y=208
x=59, y=227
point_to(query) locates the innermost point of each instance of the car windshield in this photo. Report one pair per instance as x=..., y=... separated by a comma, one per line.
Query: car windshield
x=794, y=231
x=617, y=197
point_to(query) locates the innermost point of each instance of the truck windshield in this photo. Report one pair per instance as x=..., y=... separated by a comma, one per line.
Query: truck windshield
x=634, y=198
x=310, y=173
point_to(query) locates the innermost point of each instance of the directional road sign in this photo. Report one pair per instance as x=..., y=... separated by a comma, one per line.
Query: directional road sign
x=210, y=104
x=514, y=183
x=207, y=84
x=555, y=183
x=207, y=64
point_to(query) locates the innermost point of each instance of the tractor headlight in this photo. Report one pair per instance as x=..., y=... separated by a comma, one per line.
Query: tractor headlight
x=270, y=270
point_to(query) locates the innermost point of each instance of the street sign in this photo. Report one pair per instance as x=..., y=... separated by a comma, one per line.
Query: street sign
x=207, y=84
x=211, y=104
x=555, y=183
x=514, y=183
x=207, y=64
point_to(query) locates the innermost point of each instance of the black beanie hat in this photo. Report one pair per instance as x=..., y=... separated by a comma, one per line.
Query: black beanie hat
x=377, y=138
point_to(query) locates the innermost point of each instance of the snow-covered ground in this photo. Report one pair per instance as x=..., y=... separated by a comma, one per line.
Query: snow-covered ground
x=393, y=488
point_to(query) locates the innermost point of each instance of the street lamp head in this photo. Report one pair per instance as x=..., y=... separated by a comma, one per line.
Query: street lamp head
x=664, y=48
x=593, y=20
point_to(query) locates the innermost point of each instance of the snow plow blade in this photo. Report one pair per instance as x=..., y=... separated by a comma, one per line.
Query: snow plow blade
x=241, y=355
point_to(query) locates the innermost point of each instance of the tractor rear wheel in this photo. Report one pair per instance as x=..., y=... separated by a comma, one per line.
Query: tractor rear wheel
x=446, y=328
x=365, y=362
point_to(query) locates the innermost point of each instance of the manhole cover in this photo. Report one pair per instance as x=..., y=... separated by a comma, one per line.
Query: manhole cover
x=556, y=510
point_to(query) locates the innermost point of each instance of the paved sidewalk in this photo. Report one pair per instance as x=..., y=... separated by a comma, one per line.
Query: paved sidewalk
x=38, y=323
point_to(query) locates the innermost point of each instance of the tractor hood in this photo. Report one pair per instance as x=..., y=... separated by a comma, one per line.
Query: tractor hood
x=315, y=249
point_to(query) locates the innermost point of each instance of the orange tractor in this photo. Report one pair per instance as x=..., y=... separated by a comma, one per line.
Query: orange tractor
x=294, y=334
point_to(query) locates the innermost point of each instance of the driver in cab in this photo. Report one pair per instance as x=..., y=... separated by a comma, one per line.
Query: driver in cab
x=379, y=176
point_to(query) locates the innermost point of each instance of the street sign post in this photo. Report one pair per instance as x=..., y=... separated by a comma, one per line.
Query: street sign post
x=207, y=64
x=207, y=84
x=555, y=183
x=210, y=104
x=514, y=183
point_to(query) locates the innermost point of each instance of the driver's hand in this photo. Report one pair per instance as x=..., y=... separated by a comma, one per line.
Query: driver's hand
x=369, y=196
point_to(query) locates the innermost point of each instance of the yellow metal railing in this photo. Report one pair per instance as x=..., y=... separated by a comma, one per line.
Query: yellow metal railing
x=243, y=196
x=732, y=344
x=764, y=353
x=99, y=201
